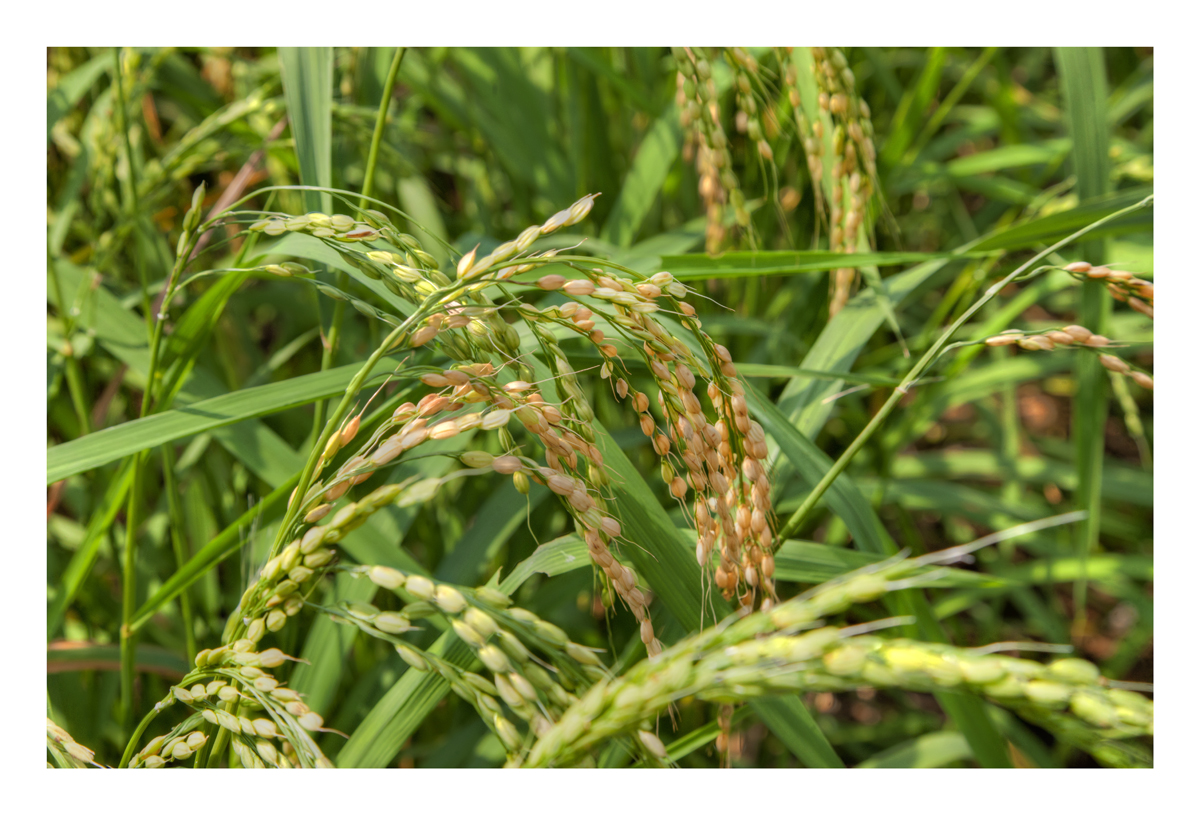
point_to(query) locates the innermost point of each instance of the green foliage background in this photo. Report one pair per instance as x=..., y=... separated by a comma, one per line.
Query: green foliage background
x=985, y=156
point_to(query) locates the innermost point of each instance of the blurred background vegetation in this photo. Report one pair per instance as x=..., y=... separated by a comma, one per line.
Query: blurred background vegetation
x=983, y=156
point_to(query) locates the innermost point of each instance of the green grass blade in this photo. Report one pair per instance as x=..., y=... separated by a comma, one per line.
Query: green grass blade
x=72, y=87
x=1086, y=90
x=113, y=443
x=383, y=731
x=1050, y=228
x=757, y=264
x=912, y=110
x=123, y=335
x=191, y=333
x=923, y=752
x=593, y=59
x=806, y=562
x=88, y=657
x=559, y=556
x=84, y=558
x=840, y=343
x=521, y=142
x=308, y=87
x=655, y=157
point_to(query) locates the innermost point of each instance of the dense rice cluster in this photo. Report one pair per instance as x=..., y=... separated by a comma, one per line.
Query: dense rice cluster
x=699, y=113
x=853, y=175
x=783, y=651
x=715, y=459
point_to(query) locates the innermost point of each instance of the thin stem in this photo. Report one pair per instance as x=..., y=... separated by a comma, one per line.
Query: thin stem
x=918, y=370
x=137, y=734
x=134, y=202
x=380, y=122
x=129, y=591
x=129, y=572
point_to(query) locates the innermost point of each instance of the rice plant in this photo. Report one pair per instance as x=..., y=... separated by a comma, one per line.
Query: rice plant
x=711, y=413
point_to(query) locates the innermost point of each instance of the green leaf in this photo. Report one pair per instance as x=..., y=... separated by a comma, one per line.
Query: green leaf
x=913, y=108
x=308, y=87
x=80, y=656
x=84, y=558
x=757, y=264
x=516, y=122
x=931, y=750
x=655, y=157
x=806, y=562
x=501, y=515
x=1086, y=90
x=559, y=556
x=113, y=443
x=1050, y=228
x=72, y=87
x=840, y=343
x=191, y=334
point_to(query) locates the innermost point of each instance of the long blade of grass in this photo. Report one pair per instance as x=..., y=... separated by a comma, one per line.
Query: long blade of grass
x=500, y=515
x=81, y=656
x=84, y=558
x=113, y=443
x=923, y=752
x=72, y=87
x=655, y=157
x=757, y=264
x=308, y=87
x=911, y=111
x=1085, y=90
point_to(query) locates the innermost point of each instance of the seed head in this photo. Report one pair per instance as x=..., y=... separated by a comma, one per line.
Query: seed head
x=579, y=288
x=420, y=587
x=449, y=599
x=494, y=659
x=391, y=622
x=506, y=465
x=1114, y=363
x=580, y=209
